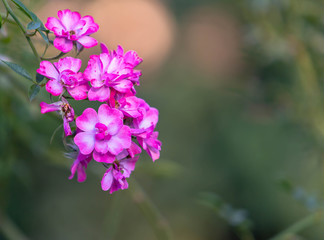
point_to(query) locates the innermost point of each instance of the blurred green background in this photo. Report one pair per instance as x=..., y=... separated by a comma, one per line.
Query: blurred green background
x=239, y=87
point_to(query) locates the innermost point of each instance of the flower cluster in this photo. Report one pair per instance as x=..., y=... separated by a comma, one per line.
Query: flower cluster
x=108, y=135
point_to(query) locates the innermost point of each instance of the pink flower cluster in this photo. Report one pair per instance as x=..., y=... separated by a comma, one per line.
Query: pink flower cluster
x=123, y=125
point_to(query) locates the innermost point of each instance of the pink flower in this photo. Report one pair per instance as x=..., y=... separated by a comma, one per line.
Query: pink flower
x=65, y=110
x=80, y=163
x=131, y=60
x=70, y=28
x=64, y=75
x=115, y=177
x=151, y=145
x=111, y=71
x=130, y=106
x=103, y=134
x=79, y=166
x=143, y=129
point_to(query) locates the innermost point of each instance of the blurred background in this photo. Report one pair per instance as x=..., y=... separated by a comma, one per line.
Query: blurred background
x=239, y=86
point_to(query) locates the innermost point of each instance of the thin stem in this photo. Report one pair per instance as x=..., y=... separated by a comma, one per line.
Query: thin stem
x=53, y=58
x=6, y=19
x=12, y=14
x=299, y=226
x=151, y=213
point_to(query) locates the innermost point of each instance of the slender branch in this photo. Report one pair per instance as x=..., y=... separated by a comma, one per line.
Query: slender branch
x=12, y=14
x=6, y=19
x=300, y=225
x=53, y=58
x=151, y=213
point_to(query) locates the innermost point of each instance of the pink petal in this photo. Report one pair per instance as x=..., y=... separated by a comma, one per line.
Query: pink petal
x=129, y=165
x=107, y=180
x=134, y=149
x=104, y=48
x=132, y=58
x=99, y=94
x=114, y=65
x=106, y=158
x=154, y=153
x=101, y=146
x=88, y=120
x=69, y=63
x=120, y=141
x=68, y=18
x=120, y=51
x=79, y=92
x=87, y=41
x=67, y=128
x=45, y=107
x=123, y=86
x=89, y=27
x=54, y=25
x=54, y=87
x=63, y=44
x=93, y=71
x=85, y=141
x=111, y=117
x=130, y=105
x=47, y=69
x=151, y=117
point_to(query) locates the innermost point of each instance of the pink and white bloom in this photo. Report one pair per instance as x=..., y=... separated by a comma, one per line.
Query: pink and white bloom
x=64, y=75
x=103, y=134
x=65, y=110
x=143, y=129
x=79, y=166
x=131, y=60
x=115, y=177
x=70, y=28
x=111, y=72
x=130, y=106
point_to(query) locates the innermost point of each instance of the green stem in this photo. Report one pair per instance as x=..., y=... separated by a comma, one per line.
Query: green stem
x=12, y=14
x=150, y=212
x=6, y=19
x=299, y=226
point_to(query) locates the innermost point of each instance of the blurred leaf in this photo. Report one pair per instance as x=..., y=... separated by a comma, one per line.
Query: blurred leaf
x=211, y=200
x=0, y=21
x=33, y=91
x=237, y=218
x=33, y=25
x=286, y=185
x=18, y=69
x=27, y=12
x=44, y=37
x=299, y=226
x=39, y=77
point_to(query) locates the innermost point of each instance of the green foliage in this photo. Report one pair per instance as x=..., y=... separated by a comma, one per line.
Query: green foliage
x=39, y=78
x=33, y=25
x=18, y=69
x=33, y=91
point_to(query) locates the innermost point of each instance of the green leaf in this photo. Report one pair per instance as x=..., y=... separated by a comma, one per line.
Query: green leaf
x=44, y=37
x=27, y=12
x=39, y=77
x=33, y=25
x=33, y=91
x=18, y=69
x=0, y=21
